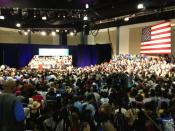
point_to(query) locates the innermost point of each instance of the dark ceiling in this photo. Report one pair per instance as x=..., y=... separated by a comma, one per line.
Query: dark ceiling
x=69, y=13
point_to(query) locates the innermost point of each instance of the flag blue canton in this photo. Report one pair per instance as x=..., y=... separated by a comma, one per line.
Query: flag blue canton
x=146, y=34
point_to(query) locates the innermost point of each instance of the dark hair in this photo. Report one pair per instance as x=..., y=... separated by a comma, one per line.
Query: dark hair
x=152, y=93
x=164, y=105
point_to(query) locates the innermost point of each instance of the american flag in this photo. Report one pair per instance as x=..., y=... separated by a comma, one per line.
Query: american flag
x=156, y=39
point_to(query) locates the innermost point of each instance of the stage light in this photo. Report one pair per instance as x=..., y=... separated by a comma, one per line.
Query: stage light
x=126, y=19
x=85, y=18
x=18, y=25
x=2, y=17
x=57, y=30
x=44, y=18
x=53, y=33
x=65, y=30
x=87, y=6
x=28, y=30
x=71, y=33
x=25, y=33
x=43, y=33
x=140, y=6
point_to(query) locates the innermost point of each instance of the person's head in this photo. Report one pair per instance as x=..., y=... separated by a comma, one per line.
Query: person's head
x=105, y=112
x=9, y=86
x=85, y=127
x=108, y=126
x=152, y=93
x=164, y=106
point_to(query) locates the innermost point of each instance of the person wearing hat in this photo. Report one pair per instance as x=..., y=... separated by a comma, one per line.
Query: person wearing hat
x=11, y=109
x=35, y=107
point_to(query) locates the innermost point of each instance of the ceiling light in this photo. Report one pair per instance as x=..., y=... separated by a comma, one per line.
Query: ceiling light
x=44, y=18
x=65, y=30
x=25, y=33
x=43, y=33
x=64, y=16
x=140, y=6
x=87, y=6
x=2, y=17
x=28, y=30
x=71, y=33
x=34, y=16
x=18, y=25
x=126, y=19
x=85, y=17
x=57, y=30
x=53, y=33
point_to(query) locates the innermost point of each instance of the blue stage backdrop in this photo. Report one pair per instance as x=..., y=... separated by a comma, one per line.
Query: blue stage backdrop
x=19, y=55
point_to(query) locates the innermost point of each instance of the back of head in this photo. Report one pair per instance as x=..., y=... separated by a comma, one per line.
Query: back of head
x=108, y=127
x=9, y=86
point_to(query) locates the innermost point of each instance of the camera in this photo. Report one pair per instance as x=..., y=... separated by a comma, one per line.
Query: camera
x=118, y=82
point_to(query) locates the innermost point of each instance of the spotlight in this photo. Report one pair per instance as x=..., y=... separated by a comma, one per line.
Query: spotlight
x=34, y=16
x=2, y=17
x=25, y=33
x=43, y=33
x=44, y=18
x=65, y=30
x=87, y=6
x=18, y=25
x=28, y=30
x=53, y=33
x=85, y=18
x=57, y=30
x=140, y=6
x=71, y=33
x=126, y=19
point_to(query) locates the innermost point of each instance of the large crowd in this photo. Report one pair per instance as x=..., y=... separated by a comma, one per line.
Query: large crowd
x=50, y=62
x=83, y=99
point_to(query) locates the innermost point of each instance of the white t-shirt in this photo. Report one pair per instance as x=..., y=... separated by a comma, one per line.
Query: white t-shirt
x=168, y=124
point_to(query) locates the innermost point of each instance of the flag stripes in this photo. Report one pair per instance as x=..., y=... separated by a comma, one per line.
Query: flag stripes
x=156, y=39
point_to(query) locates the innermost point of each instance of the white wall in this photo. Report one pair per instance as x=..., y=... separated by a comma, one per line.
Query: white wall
x=124, y=40
x=12, y=36
x=74, y=40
